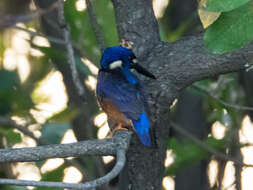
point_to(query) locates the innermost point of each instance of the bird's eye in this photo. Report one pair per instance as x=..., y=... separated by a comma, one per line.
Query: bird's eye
x=115, y=64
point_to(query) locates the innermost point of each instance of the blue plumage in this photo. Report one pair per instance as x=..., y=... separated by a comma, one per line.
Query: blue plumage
x=142, y=127
x=120, y=92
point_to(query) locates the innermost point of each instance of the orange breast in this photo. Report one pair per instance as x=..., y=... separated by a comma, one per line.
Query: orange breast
x=114, y=113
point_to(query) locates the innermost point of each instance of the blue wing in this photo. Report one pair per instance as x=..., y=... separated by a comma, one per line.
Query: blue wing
x=129, y=98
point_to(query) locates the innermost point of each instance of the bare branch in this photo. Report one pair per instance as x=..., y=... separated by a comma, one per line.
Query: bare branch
x=71, y=58
x=121, y=159
x=52, y=39
x=24, y=130
x=234, y=106
x=49, y=38
x=11, y=20
x=91, y=147
x=207, y=148
x=93, y=20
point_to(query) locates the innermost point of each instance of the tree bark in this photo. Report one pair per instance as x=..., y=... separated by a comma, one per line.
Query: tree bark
x=177, y=65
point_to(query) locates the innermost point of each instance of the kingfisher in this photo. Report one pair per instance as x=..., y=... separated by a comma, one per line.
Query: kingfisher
x=121, y=94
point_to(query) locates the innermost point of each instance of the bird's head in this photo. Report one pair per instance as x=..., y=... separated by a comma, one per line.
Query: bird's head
x=118, y=57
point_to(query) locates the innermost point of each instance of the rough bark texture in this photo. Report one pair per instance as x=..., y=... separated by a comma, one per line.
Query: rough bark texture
x=177, y=65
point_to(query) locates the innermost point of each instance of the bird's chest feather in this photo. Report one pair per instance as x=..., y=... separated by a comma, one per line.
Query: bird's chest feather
x=110, y=89
x=114, y=113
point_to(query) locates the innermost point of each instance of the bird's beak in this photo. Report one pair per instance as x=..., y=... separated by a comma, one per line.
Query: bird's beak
x=141, y=69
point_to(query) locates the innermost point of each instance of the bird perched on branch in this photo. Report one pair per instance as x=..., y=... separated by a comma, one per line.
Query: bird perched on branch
x=120, y=93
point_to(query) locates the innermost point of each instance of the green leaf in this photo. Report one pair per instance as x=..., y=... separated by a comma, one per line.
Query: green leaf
x=12, y=137
x=13, y=98
x=55, y=175
x=223, y=5
x=232, y=30
x=58, y=55
x=52, y=133
x=215, y=143
x=12, y=187
x=8, y=81
x=50, y=52
x=187, y=153
x=65, y=115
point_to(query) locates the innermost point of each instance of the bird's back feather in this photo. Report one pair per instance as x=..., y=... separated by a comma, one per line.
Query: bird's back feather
x=129, y=98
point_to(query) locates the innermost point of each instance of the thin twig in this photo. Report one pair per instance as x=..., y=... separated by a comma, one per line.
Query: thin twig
x=93, y=20
x=117, y=145
x=207, y=148
x=10, y=20
x=229, y=186
x=52, y=39
x=71, y=58
x=33, y=33
x=24, y=130
x=234, y=106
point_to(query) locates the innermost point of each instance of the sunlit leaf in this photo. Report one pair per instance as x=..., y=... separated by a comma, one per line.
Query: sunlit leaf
x=207, y=17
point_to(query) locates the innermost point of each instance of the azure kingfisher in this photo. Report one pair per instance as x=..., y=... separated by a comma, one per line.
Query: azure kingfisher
x=121, y=94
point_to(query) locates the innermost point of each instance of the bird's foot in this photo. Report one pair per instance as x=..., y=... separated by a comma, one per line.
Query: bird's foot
x=120, y=127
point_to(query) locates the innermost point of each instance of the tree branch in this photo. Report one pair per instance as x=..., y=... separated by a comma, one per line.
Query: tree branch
x=136, y=22
x=117, y=145
x=91, y=147
x=94, y=24
x=11, y=20
x=71, y=58
x=183, y=62
x=121, y=159
x=207, y=148
x=24, y=130
x=234, y=106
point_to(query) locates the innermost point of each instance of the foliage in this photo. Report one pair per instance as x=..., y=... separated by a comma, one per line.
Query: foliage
x=224, y=5
x=187, y=153
x=233, y=29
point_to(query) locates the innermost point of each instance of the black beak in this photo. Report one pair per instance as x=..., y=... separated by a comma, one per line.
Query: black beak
x=142, y=70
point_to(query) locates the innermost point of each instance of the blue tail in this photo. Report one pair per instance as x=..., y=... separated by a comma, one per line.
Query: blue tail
x=142, y=127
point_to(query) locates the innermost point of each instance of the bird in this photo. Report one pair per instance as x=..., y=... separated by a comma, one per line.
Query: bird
x=121, y=94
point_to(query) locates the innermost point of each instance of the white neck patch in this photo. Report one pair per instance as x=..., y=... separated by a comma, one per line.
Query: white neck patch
x=115, y=64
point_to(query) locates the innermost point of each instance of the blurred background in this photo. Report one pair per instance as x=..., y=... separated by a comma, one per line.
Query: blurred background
x=38, y=94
